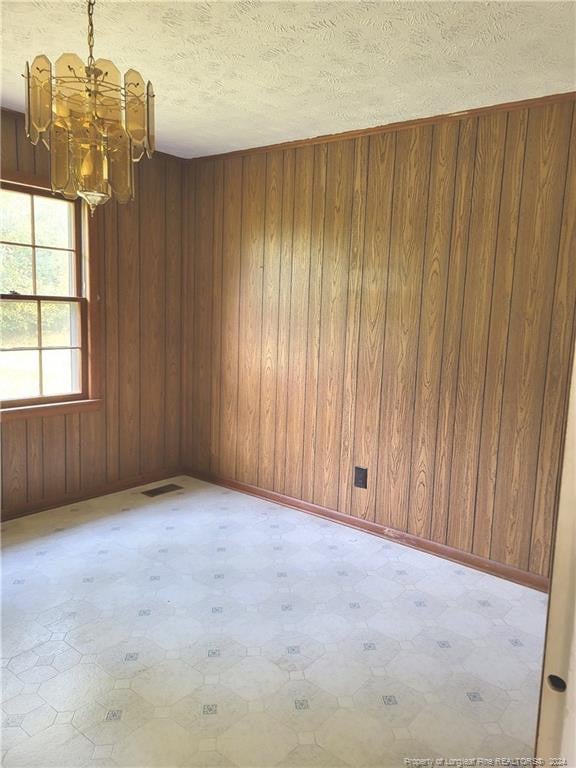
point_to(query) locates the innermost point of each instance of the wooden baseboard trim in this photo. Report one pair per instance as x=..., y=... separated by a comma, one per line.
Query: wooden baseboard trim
x=120, y=485
x=503, y=571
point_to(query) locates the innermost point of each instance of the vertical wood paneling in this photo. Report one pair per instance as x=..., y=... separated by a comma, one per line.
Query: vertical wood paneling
x=54, y=458
x=173, y=312
x=231, y=238
x=250, y=320
x=408, y=231
x=488, y=176
x=499, y=322
x=24, y=149
x=112, y=348
x=354, y=303
x=372, y=328
x=202, y=318
x=314, y=309
x=152, y=313
x=270, y=301
x=34, y=461
x=299, y=286
x=216, y=316
x=339, y=185
x=436, y=261
x=532, y=298
x=284, y=293
x=8, y=143
x=129, y=399
x=14, y=464
x=417, y=306
x=561, y=346
x=452, y=326
x=92, y=450
x=187, y=320
x=73, y=454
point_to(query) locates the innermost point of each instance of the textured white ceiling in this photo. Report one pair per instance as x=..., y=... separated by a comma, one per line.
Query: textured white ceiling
x=232, y=75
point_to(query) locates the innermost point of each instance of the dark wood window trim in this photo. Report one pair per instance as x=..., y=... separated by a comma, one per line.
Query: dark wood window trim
x=88, y=299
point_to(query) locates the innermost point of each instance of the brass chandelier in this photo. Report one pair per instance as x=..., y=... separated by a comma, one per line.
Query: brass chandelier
x=94, y=125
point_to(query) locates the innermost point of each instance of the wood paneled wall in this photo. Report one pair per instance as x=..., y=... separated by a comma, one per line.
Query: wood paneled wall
x=135, y=434
x=402, y=301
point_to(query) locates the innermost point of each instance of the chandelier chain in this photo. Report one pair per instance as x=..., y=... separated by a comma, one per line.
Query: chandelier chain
x=91, y=4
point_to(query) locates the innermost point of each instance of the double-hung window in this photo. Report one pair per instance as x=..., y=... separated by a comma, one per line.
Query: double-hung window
x=43, y=321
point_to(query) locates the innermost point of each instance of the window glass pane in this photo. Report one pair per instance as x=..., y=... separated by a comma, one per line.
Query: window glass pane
x=53, y=222
x=19, y=375
x=60, y=324
x=55, y=273
x=61, y=371
x=16, y=218
x=16, y=269
x=19, y=324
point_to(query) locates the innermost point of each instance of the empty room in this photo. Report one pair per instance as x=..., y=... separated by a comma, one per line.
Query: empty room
x=288, y=418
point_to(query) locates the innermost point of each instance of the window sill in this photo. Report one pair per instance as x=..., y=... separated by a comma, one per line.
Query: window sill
x=49, y=409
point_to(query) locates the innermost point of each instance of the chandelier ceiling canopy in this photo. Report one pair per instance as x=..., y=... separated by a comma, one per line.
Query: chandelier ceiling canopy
x=95, y=124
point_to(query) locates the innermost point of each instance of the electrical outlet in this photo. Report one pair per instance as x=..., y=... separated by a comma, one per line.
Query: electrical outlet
x=360, y=477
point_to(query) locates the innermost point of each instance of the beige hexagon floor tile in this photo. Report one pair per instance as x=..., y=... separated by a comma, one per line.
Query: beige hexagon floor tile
x=113, y=717
x=338, y=675
x=176, y=632
x=311, y=756
x=257, y=740
x=252, y=633
x=76, y=687
x=474, y=697
x=59, y=746
x=164, y=684
x=502, y=745
x=38, y=673
x=22, y=703
x=519, y=718
x=446, y=731
x=96, y=636
x=395, y=625
x=68, y=615
x=159, y=744
x=212, y=655
x=390, y=700
x=251, y=591
x=39, y=719
x=357, y=738
x=292, y=651
x=209, y=711
x=326, y=627
x=301, y=705
x=130, y=657
x=208, y=759
x=418, y=670
x=11, y=685
x=11, y=732
x=503, y=671
x=254, y=677
x=370, y=648
x=379, y=587
x=22, y=637
x=466, y=623
x=22, y=661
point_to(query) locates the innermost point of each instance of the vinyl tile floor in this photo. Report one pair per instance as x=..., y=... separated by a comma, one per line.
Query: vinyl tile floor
x=207, y=628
